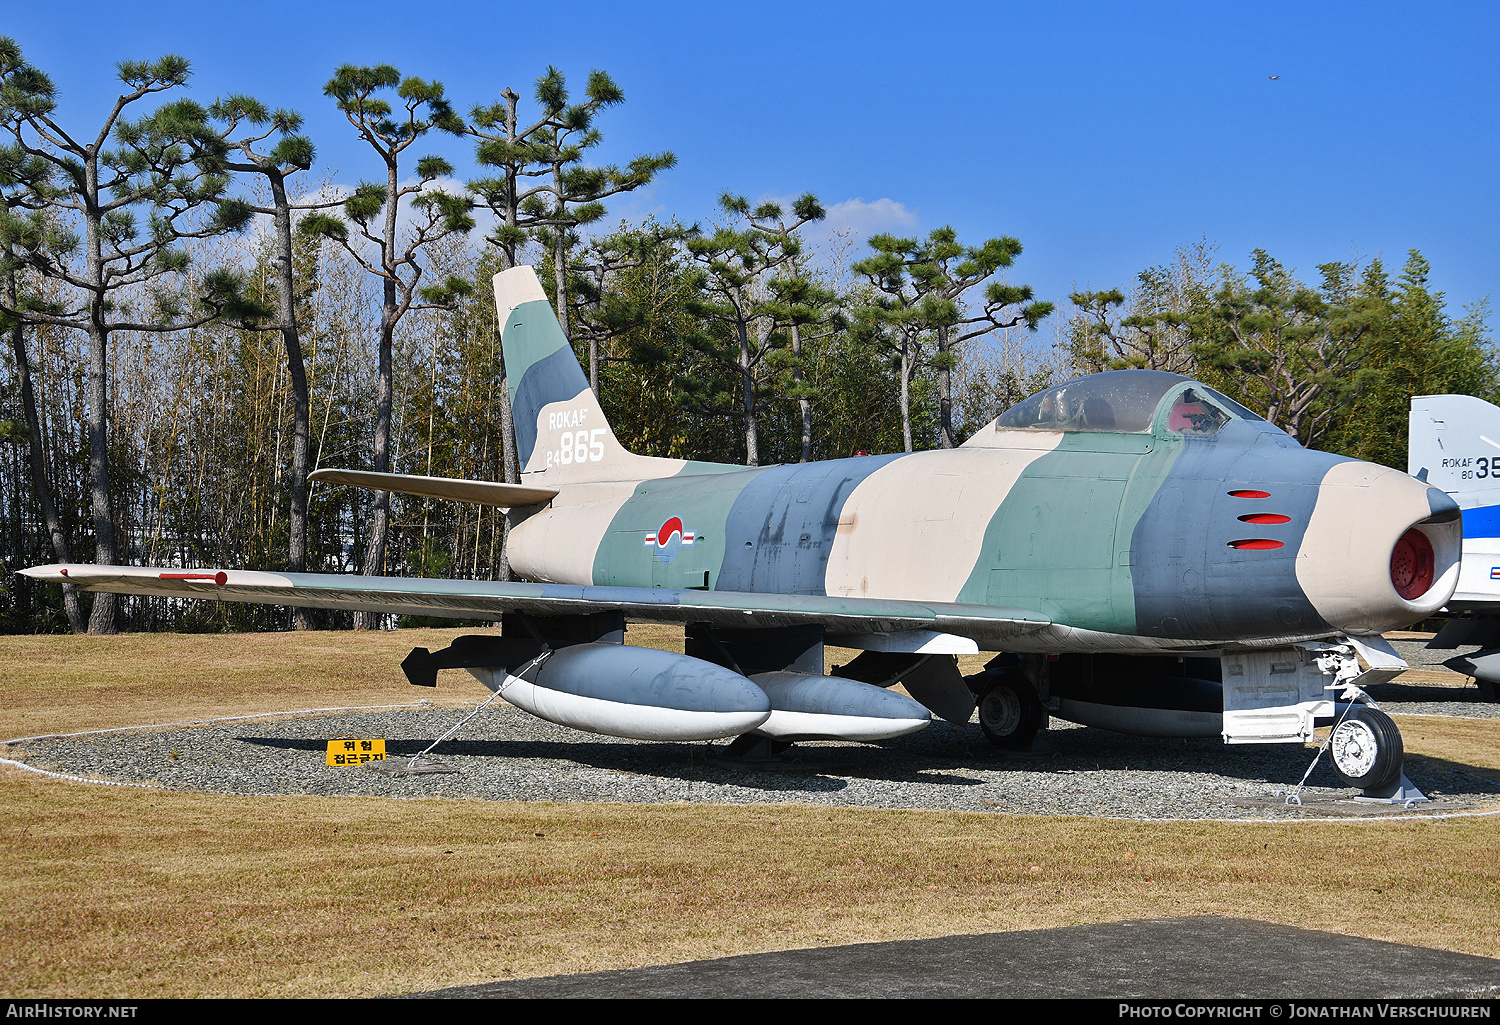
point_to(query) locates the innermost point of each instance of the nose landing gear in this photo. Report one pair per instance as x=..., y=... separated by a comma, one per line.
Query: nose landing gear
x=1367, y=750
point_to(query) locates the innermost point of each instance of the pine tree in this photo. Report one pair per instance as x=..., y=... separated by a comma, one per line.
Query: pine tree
x=103, y=193
x=373, y=209
x=745, y=322
x=25, y=187
x=921, y=286
x=560, y=192
x=241, y=130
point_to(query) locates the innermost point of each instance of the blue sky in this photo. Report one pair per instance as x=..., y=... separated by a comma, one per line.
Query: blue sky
x=1102, y=135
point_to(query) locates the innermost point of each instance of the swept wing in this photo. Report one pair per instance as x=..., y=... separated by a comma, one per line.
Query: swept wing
x=469, y=599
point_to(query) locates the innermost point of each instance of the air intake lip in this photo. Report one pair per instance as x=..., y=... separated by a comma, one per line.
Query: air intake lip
x=1444, y=508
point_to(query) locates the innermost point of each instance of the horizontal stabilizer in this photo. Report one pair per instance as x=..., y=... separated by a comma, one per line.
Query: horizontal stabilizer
x=482, y=492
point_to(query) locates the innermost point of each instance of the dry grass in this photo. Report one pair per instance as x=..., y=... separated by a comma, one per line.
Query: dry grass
x=63, y=683
x=113, y=892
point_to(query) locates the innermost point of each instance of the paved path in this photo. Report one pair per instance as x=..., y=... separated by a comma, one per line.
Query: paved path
x=1206, y=957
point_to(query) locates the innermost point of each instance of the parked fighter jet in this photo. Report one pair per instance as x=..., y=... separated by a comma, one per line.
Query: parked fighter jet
x=1454, y=444
x=1117, y=539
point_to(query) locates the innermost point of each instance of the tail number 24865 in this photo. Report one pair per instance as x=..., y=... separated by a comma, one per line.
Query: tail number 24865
x=578, y=447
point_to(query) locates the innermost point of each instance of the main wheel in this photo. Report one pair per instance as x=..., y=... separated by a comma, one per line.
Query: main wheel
x=1367, y=749
x=1010, y=712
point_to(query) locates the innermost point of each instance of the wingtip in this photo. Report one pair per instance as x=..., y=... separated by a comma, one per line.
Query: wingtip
x=56, y=570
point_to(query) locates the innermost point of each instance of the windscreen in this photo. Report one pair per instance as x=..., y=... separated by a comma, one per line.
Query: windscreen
x=1119, y=400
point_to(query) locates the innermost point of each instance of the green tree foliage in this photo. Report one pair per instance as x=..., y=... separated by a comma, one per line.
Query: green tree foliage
x=1413, y=349
x=25, y=187
x=374, y=208
x=1147, y=330
x=744, y=284
x=120, y=274
x=995, y=373
x=449, y=363
x=919, y=316
x=639, y=284
x=1294, y=352
x=629, y=298
x=1336, y=364
x=252, y=141
x=545, y=190
x=856, y=413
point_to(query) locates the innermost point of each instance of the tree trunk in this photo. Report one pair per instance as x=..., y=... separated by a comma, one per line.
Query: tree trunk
x=803, y=403
x=102, y=619
x=39, y=483
x=510, y=470
x=301, y=404
x=512, y=213
x=945, y=392
x=747, y=401
x=379, y=529
x=560, y=293
x=906, y=399
x=560, y=275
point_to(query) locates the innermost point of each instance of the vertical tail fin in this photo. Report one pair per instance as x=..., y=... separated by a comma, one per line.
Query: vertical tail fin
x=560, y=426
x=1454, y=444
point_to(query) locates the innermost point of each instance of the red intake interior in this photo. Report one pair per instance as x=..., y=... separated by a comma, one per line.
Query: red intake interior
x=1412, y=565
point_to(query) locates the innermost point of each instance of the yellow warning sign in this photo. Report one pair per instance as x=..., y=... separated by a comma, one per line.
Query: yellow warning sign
x=355, y=752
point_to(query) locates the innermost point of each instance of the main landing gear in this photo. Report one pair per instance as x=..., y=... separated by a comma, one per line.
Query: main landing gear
x=1010, y=710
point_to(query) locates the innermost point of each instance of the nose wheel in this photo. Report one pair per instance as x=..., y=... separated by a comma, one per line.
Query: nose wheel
x=1367, y=750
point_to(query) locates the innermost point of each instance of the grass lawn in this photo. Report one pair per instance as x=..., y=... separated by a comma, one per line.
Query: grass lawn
x=115, y=892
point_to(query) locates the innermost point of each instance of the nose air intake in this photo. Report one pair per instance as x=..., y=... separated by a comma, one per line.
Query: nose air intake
x=1382, y=549
x=1425, y=557
x=1412, y=565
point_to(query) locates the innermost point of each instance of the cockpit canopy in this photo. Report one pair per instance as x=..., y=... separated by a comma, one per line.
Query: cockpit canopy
x=1126, y=401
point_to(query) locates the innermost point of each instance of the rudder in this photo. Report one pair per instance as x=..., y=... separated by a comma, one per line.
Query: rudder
x=560, y=426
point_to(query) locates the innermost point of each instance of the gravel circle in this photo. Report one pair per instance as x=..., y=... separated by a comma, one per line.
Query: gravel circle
x=504, y=754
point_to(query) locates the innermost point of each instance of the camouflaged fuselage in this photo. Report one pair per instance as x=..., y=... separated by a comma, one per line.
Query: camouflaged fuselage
x=1154, y=533
x=1125, y=534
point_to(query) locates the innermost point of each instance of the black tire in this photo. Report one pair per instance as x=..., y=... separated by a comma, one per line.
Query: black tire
x=1367, y=750
x=1010, y=713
